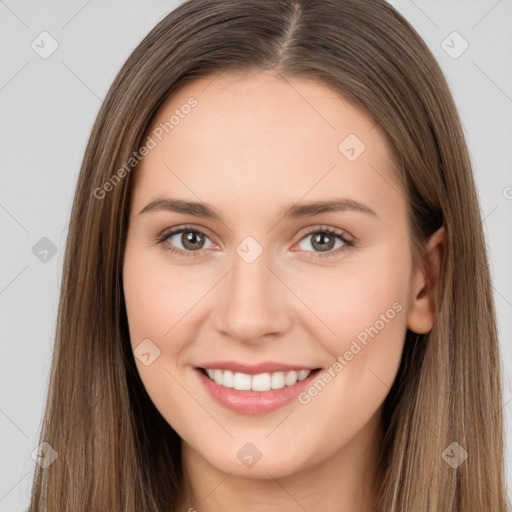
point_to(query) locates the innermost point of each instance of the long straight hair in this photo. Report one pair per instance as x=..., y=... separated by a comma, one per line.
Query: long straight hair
x=115, y=451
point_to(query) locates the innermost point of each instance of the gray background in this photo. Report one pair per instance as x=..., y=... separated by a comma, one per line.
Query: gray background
x=48, y=107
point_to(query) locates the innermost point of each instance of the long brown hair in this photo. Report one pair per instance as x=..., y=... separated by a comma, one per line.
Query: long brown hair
x=115, y=450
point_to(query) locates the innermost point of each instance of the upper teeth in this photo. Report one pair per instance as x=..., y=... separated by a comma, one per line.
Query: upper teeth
x=258, y=382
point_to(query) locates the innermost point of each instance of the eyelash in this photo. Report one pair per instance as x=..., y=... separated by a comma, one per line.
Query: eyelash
x=323, y=229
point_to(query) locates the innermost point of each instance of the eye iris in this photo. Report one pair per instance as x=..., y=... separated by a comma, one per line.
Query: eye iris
x=317, y=238
x=192, y=240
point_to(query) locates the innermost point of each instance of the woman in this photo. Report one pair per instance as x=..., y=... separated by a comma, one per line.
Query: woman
x=275, y=289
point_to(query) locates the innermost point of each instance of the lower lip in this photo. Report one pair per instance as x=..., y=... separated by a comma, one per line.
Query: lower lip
x=254, y=402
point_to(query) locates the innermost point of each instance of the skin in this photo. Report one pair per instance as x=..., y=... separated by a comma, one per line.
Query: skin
x=252, y=146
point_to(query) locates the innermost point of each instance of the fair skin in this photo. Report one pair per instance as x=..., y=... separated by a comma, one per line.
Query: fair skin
x=251, y=147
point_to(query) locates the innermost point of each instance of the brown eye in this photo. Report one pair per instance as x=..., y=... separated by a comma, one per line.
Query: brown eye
x=185, y=241
x=192, y=240
x=323, y=242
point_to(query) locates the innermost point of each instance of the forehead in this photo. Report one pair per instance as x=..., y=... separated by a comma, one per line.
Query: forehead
x=257, y=135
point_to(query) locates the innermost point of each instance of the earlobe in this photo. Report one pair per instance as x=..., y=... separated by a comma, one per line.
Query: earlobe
x=421, y=311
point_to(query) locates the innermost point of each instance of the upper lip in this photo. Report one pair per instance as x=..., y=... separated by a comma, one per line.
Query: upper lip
x=254, y=369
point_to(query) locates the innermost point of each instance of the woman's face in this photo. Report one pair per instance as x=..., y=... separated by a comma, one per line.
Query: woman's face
x=253, y=294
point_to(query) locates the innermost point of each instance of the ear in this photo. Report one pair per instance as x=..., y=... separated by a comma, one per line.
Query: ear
x=421, y=313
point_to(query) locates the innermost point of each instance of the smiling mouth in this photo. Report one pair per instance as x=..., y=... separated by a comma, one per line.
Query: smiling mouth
x=257, y=382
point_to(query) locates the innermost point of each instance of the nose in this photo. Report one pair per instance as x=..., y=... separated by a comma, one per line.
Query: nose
x=253, y=303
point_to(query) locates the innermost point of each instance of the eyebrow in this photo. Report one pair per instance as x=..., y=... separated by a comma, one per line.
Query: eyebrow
x=294, y=211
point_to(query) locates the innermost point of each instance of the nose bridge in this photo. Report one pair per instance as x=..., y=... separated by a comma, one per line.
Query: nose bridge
x=253, y=301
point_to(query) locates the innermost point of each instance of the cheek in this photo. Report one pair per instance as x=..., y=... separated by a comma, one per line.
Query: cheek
x=369, y=318
x=155, y=298
x=161, y=307
x=364, y=315
x=150, y=301
x=155, y=303
x=356, y=297
x=371, y=307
